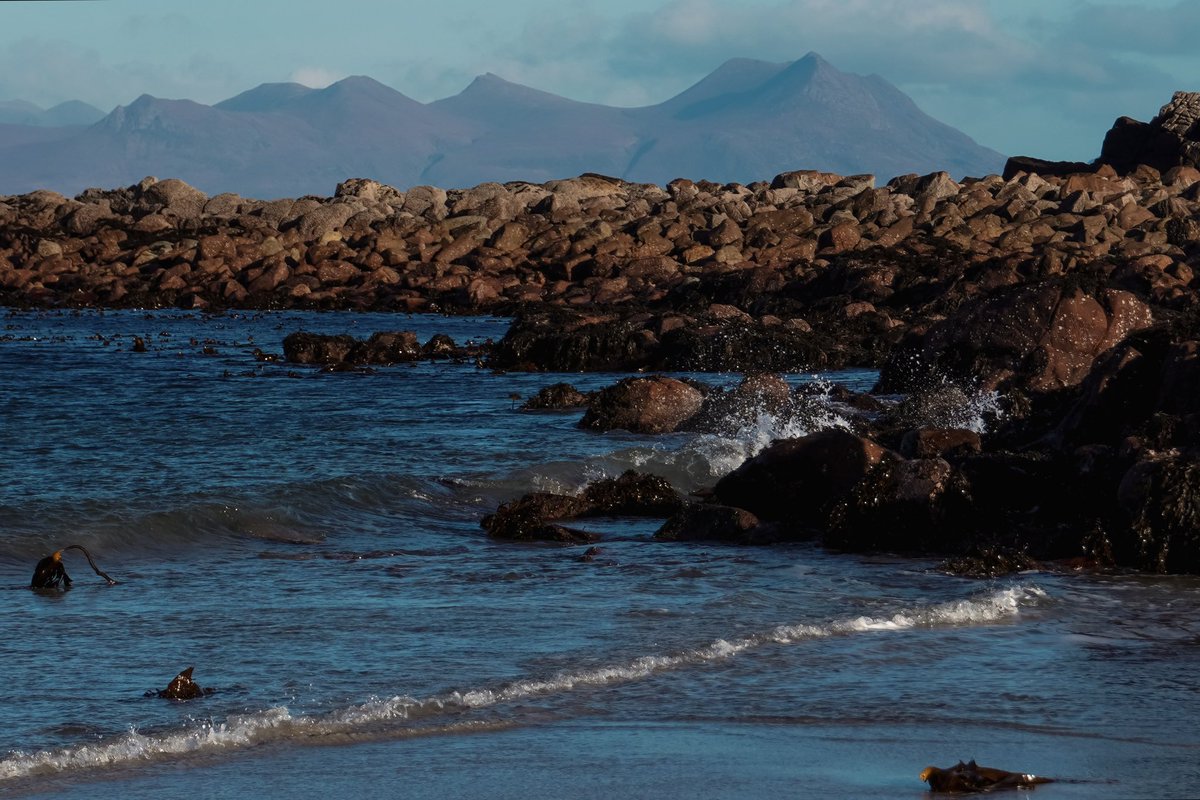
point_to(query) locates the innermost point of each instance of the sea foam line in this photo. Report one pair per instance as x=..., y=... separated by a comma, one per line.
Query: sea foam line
x=277, y=724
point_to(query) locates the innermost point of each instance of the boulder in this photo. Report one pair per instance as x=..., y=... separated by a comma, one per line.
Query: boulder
x=633, y=494
x=795, y=480
x=557, y=397
x=706, y=522
x=315, y=348
x=1037, y=337
x=1161, y=497
x=655, y=404
x=913, y=505
x=939, y=443
x=530, y=519
x=1169, y=140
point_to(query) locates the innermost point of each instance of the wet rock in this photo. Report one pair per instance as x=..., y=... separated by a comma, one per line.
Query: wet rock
x=940, y=443
x=989, y=562
x=913, y=505
x=557, y=397
x=1161, y=497
x=633, y=494
x=534, y=517
x=315, y=348
x=531, y=518
x=704, y=522
x=392, y=347
x=797, y=479
x=381, y=348
x=643, y=405
x=182, y=687
x=1038, y=337
x=728, y=411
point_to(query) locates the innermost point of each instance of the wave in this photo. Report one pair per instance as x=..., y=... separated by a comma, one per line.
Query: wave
x=404, y=716
x=283, y=513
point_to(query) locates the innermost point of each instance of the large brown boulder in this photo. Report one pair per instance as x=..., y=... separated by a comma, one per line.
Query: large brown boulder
x=795, y=480
x=656, y=404
x=1038, y=337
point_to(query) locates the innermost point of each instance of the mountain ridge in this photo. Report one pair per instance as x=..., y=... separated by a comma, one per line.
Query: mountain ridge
x=746, y=120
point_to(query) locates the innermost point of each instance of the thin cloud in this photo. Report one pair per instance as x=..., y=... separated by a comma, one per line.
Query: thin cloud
x=315, y=77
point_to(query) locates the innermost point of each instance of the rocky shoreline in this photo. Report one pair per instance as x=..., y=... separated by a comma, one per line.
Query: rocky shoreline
x=1069, y=292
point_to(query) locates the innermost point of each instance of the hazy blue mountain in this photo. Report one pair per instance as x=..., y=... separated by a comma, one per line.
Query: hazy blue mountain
x=72, y=112
x=748, y=120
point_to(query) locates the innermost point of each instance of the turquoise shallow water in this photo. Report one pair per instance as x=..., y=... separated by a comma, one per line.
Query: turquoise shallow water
x=310, y=543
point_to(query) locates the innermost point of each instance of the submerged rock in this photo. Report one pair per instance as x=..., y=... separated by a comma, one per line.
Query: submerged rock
x=557, y=397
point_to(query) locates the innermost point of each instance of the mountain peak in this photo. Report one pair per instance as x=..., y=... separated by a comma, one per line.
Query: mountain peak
x=265, y=97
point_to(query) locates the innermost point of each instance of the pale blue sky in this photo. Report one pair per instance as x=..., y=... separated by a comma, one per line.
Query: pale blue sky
x=1022, y=76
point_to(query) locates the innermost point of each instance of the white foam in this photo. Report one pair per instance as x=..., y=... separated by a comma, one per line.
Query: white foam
x=275, y=724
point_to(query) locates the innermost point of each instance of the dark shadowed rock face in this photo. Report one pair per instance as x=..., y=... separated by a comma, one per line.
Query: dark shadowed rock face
x=902, y=506
x=655, y=404
x=1161, y=496
x=795, y=480
x=939, y=443
x=1169, y=140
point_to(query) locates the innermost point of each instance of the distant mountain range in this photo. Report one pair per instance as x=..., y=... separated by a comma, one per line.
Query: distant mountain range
x=748, y=120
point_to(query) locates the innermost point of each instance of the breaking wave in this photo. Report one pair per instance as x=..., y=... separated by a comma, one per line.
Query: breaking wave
x=404, y=716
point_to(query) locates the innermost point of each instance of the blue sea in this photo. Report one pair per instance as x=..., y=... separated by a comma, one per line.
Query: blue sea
x=309, y=542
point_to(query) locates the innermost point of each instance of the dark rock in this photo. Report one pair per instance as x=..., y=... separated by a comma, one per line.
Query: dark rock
x=643, y=405
x=387, y=348
x=797, y=479
x=315, y=348
x=728, y=411
x=182, y=687
x=439, y=346
x=1171, y=139
x=704, y=522
x=633, y=494
x=530, y=519
x=915, y=505
x=989, y=562
x=1037, y=166
x=380, y=348
x=1037, y=337
x=558, y=396
x=1161, y=497
x=939, y=443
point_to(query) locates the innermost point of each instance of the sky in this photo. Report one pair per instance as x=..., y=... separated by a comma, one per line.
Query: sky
x=1033, y=77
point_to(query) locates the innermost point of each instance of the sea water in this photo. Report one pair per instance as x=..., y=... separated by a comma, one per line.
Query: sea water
x=310, y=542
